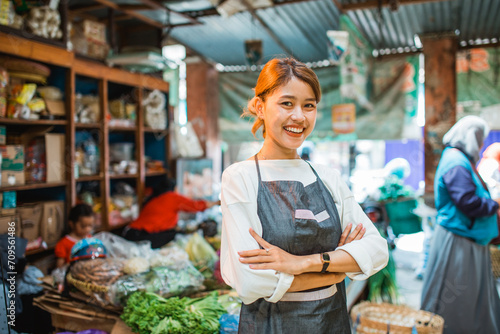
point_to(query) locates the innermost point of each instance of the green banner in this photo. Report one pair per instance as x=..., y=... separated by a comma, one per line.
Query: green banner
x=478, y=84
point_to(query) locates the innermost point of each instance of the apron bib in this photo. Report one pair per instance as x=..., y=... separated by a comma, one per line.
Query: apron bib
x=302, y=221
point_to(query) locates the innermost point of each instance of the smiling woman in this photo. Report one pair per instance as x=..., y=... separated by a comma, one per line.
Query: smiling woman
x=292, y=230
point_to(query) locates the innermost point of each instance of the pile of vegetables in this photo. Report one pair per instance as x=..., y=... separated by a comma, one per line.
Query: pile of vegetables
x=148, y=313
x=394, y=188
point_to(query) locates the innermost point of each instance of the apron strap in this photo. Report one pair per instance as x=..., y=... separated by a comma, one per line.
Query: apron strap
x=314, y=171
x=257, y=166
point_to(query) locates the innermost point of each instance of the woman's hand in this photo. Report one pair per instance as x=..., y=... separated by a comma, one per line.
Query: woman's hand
x=348, y=236
x=272, y=257
x=275, y=258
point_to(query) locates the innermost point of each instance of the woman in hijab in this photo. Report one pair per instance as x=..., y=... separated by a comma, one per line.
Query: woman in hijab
x=459, y=283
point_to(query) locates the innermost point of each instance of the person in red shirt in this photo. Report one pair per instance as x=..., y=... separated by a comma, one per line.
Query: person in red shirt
x=81, y=223
x=158, y=219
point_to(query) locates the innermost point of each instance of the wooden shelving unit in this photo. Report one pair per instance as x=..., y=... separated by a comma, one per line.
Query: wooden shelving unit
x=89, y=178
x=15, y=44
x=123, y=176
x=88, y=125
x=156, y=173
x=9, y=121
x=33, y=186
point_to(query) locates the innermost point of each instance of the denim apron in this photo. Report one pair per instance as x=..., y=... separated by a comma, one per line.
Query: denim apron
x=300, y=220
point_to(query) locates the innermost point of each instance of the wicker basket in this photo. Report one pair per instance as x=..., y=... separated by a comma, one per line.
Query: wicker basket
x=495, y=261
x=394, y=319
x=86, y=287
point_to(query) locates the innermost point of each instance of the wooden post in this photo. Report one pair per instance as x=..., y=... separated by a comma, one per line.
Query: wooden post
x=203, y=102
x=440, y=98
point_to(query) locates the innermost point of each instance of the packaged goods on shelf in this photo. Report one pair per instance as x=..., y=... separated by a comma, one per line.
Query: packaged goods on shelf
x=87, y=109
x=94, y=31
x=45, y=158
x=4, y=81
x=44, y=21
x=12, y=165
x=89, y=38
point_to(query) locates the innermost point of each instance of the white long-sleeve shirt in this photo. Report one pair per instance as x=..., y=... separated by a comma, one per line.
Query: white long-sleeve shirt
x=239, y=213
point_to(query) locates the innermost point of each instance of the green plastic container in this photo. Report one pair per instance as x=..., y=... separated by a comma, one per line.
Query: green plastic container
x=401, y=218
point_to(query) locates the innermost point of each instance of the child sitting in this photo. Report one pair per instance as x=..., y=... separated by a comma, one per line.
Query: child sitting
x=81, y=223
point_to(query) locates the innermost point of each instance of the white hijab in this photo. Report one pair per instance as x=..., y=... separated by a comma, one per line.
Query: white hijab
x=468, y=135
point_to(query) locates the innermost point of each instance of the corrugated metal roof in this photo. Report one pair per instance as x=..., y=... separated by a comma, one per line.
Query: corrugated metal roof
x=471, y=19
x=301, y=25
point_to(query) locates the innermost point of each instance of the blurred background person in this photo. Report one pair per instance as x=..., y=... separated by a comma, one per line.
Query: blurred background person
x=459, y=283
x=158, y=219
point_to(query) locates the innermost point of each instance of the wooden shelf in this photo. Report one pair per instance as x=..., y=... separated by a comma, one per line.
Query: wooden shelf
x=123, y=128
x=156, y=173
x=30, y=36
x=123, y=176
x=39, y=250
x=89, y=178
x=146, y=129
x=16, y=121
x=33, y=186
x=87, y=125
x=21, y=44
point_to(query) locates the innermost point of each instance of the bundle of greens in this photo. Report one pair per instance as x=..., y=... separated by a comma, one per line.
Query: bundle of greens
x=382, y=285
x=148, y=313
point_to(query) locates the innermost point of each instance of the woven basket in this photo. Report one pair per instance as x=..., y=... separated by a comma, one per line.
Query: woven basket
x=86, y=287
x=394, y=319
x=495, y=261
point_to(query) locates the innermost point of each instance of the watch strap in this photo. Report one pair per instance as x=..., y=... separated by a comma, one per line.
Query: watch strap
x=325, y=258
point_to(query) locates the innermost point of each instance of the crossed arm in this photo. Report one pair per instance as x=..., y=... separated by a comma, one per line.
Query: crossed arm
x=306, y=269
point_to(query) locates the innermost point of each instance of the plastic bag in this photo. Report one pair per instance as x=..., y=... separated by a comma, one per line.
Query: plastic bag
x=99, y=273
x=163, y=281
x=121, y=248
x=201, y=253
x=229, y=323
x=171, y=256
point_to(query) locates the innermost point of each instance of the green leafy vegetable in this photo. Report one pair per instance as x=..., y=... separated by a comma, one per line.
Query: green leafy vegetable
x=147, y=313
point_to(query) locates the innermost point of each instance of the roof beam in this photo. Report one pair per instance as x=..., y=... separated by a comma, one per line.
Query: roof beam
x=132, y=13
x=269, y=31
x=339, y=6
x=213, y=11
x=85, y=8
x=371, y=4
x=157, y=5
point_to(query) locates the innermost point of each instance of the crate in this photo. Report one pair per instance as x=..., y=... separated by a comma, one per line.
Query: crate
x=401, y=218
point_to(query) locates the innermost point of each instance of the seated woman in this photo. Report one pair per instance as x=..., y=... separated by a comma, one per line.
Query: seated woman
x=158, y=219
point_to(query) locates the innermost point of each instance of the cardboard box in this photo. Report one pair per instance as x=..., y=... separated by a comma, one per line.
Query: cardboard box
x=52, y=223
x=54, y=155
x=54, y=145
x=6, y=222
x=31, y=217
x=12, y=165
x=94, y=31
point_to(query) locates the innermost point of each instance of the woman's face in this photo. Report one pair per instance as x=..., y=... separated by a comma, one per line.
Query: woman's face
x=289, y=114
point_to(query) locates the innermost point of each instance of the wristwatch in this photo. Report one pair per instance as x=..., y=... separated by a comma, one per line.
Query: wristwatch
x=325, y=258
